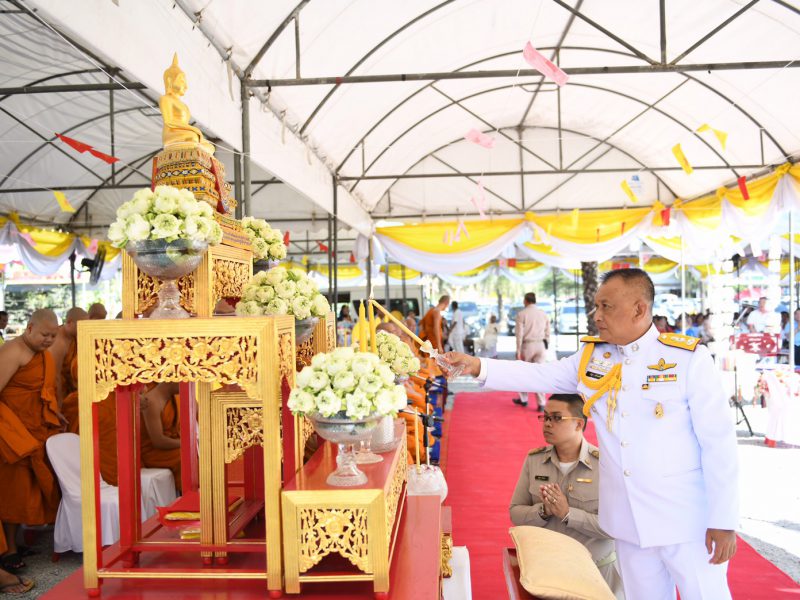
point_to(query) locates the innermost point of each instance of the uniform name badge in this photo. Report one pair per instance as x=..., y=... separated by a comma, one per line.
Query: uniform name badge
x=598, y=368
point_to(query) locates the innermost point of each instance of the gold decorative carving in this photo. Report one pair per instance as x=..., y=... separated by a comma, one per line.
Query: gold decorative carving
x=325, y=531
x=244, y=428
x=446, y=555
x=225, y=360
x=306, y=431
x=331, y=330
x=148, y=287
x=393, y=498
x=230, y=277
x=286, y=357
x=305, y=352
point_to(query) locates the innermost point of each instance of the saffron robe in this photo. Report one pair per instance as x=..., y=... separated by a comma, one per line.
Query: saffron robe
x=28, y=416
x=167, y=459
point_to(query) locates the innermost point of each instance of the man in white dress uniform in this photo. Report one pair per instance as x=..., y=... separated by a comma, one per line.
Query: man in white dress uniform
x=668, y=465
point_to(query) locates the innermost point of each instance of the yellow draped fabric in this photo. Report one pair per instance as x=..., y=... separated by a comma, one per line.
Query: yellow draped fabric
x=431, y=237
x=55, y=243
x=591, y=226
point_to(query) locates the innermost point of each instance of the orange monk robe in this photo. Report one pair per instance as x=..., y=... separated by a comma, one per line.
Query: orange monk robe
x=28, y=416
x=430, y=327
x=106, y=425
x=69, y=382
x=167, y=459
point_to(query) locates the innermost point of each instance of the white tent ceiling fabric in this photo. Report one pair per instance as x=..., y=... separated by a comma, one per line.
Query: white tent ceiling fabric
x=611, y=126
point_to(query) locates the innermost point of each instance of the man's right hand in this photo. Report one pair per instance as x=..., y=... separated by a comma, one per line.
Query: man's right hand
x=471, y=364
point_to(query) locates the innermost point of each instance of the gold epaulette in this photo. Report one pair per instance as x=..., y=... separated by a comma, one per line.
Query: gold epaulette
x=592, y=339
x=595, y=453
x=676, y=340
x=538, y=450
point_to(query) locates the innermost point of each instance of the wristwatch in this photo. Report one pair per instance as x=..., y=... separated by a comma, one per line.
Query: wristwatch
x=542, y=515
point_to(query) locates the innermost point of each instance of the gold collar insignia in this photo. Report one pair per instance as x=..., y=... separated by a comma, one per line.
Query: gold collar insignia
x=662, y=365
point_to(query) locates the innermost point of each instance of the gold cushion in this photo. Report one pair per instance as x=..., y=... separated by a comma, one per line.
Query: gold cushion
x=554, y=566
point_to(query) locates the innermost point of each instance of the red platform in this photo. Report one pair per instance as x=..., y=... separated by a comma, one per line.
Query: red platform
x=414, y=574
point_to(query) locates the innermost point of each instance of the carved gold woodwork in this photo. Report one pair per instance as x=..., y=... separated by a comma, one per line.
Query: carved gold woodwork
x=446, y=555
x=244, y=429
x=305, y=352
x=223, y=359
x=343, y=531
x=357, y=523
x=243, y=351
x=222, y=273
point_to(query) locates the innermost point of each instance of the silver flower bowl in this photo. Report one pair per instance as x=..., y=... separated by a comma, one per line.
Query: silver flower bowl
x=167, y=261
x=303, y=330
x=345, y=432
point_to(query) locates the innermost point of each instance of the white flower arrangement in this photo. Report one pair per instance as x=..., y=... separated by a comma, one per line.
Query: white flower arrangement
x=348, y=384
x=166, y=213
x=282, y=291
x=396, y=353
x=267, y=242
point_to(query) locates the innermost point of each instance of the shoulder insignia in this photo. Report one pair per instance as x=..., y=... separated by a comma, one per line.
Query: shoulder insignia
x=677, y=340
x=538, y=450
x=595, y=453
x=592, y=339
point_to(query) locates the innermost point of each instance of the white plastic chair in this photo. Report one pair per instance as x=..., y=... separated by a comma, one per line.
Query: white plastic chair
x=65, y=456
x=158, y=489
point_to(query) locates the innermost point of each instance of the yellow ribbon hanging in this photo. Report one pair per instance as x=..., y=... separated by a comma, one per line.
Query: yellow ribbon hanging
x=610, y=383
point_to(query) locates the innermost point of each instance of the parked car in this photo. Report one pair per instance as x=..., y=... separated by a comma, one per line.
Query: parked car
x=571, y=319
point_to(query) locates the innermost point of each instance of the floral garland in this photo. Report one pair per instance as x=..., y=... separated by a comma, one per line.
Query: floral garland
x=267, y=242
x=282, y=291
x=397, y=354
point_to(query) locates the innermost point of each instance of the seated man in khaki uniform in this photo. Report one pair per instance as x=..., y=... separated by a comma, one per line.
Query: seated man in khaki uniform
x=558, y=486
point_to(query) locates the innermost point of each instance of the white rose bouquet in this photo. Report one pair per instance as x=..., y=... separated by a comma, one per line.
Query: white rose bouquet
x=396, y=353
x=282, y=291
x=166, y=213
x=347, y=384
x=267, y=242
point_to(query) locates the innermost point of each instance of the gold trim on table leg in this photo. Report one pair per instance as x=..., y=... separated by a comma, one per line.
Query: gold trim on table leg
x=379, y=544
x=207, y=483
x=291, y=549
x=447, y=555
x=88, y=477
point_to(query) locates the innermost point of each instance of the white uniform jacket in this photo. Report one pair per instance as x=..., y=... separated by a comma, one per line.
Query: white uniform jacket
x=668, y=467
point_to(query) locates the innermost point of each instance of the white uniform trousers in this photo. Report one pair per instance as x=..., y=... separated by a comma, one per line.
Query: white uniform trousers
x=456, y=341
x=653, y=573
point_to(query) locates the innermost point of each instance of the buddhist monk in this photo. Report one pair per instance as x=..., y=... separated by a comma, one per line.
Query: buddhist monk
x=106, y=425
x=9, y=583
x=28, y=416
x=161, y=430
x=64, y=350
x=430, y=327
x=97, y=311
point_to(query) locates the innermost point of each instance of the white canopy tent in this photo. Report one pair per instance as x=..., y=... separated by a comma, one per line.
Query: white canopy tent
x=643, y=77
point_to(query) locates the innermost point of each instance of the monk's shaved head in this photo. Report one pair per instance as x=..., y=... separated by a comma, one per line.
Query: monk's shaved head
x=97, y=311
x=74, y=314
x=43, y=316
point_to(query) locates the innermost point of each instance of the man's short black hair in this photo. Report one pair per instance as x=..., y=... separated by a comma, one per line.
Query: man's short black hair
x=3, y=313
x=575, y=403
x=635, y=277
x=454, y=305
x=530, y=298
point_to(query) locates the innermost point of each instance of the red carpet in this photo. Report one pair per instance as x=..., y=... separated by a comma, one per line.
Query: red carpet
x=487, y=442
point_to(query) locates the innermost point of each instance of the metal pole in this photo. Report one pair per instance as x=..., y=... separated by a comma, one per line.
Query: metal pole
x=404, y=308
x=72, y=275
x=577, y=312
x=237, y=183
x=555, y=306
x=388, y=297
x=369, y=269
x=330, y=262
x=683, y=291
x=333, y=249
x=111, y=126
x=792, y=297
x=245, y=200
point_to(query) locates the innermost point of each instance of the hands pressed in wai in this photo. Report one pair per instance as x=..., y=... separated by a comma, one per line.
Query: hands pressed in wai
x=554, y=501
x=471, y=364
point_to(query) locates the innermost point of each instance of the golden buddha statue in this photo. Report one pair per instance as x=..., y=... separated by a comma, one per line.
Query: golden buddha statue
x=177, y=130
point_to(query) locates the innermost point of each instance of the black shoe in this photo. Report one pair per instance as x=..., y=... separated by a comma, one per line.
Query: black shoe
x=519, y=401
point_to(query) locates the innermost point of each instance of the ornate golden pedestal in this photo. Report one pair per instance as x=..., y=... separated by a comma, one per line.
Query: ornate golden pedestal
x=359, y=524
x=256, y=353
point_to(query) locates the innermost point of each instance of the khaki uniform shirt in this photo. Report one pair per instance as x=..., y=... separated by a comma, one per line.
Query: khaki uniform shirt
x=532, y=326
x=580, y=486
